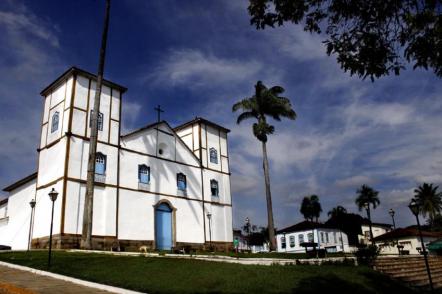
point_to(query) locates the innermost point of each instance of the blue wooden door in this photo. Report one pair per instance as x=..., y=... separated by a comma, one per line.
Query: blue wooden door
x=163, y=222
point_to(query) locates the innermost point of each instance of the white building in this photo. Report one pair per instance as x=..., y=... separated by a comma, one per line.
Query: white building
x=154, y=186
x=408, y=239
x=377, y=228
x=327, y=237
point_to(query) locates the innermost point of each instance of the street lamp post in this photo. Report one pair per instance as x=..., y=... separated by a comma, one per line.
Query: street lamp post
x=53, y=196
x=391, y=212
x=209, y=216
x=248, y=232
x=32, y=204
x=414, y=207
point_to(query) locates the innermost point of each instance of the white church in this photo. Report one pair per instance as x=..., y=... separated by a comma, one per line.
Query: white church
x=159, y=186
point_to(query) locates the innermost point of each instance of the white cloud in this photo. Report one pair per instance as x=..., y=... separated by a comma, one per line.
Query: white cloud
x=194, y=68
x=27, y=22
x=354, y=181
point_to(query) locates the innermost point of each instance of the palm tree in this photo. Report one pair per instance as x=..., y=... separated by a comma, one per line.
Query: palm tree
x=265, y=102
x=316, y=207
x=429, y=201
x=86, y=238
x=337, y=211
x=367, y=196
x=306, y=208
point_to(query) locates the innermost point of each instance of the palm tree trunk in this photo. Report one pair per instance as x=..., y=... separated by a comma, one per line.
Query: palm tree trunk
x=86, y=238
x=369, y=224
x=271, y=225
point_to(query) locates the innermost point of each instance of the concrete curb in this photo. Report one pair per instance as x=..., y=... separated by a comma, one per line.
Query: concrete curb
x=98, y=286
x=226, y=259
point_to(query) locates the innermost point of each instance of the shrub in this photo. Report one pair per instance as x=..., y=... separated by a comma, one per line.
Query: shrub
x=366, y=255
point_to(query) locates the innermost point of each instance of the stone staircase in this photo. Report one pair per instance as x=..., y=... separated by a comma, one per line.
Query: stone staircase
x=412, y=270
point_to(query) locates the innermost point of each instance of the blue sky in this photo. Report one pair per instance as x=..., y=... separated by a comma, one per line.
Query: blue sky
x=196, y=58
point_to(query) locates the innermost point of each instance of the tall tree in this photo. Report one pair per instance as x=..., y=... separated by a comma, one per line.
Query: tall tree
x=370, y=38
x=265, y=103
x=367, y=196
x=316, y=207
x=337, y=212
x=306, y=208
x=86, y=238
x=311, y=208
x=429, y=200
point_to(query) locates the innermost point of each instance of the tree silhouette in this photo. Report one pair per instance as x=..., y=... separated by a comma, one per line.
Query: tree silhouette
x=370, y=38
x=265, y=103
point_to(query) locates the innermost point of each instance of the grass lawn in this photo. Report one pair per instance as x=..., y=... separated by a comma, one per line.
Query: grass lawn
x=168, y=275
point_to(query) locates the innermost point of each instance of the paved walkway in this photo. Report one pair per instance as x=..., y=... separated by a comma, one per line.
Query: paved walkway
x=14, y=281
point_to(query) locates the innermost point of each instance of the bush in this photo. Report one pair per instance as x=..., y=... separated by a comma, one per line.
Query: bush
x=366, y=255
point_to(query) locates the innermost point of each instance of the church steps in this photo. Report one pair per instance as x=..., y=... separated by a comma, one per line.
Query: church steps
x=411, y=270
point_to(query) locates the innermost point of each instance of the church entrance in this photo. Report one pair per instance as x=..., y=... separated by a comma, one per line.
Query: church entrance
x=163, y=227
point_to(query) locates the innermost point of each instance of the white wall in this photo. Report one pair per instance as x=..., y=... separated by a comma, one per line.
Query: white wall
x=163, y=175
x=104, y=214
x=79, y=153
x=51, y=163
x=43, y=209
x=317, y=233
x=136, y=217
x=410, y=244
x=14, y=231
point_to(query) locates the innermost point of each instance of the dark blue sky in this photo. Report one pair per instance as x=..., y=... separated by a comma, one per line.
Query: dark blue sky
x=196, y=58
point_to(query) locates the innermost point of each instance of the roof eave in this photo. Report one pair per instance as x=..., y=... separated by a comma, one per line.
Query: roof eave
x=20, y=182
x=75, y=70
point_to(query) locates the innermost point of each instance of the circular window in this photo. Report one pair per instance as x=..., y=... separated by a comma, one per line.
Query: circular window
x=162, y=149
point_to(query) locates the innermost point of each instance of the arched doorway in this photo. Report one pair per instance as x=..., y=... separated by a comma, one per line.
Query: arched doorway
x=163, y=227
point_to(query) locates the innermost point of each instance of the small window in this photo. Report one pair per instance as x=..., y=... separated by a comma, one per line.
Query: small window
x=322, y=237
x=144, y=174
x=100, y=120
x=310, y=237
x=55, y=120
x=292, y=241
x=181, y=182
x=213, y=155
x=214, y=188
x=301, y=238
x=334, y=237
x=326, y=238
x=100, y=164
x=283, y=242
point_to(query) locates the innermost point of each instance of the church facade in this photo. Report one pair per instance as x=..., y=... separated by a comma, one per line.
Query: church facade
x=158, y=186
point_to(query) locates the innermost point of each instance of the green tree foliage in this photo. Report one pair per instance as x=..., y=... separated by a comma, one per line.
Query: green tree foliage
x=337, y=212
x=265, y=103
x=367, y=196
x=371, y=38
x=311, y=207
x=429, y=200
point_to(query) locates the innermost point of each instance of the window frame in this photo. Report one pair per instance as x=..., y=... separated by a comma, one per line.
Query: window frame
x=100, y=121
x=292, y=241
x=283, y=242
x=104, y=158
x=301, y=238
x=213, y=155
x=147, y=169
x=212, y=181
x=183, y=179
x=55, y=121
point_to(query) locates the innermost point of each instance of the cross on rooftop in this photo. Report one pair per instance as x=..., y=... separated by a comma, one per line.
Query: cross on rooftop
x=158, y=110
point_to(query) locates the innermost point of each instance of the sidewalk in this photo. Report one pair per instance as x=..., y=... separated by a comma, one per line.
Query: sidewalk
x=14, y=281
